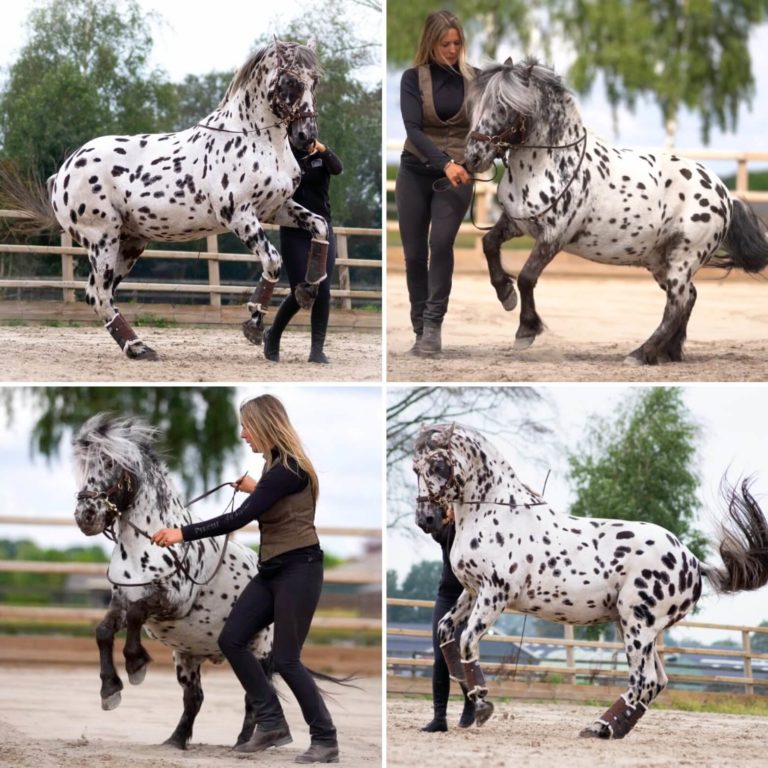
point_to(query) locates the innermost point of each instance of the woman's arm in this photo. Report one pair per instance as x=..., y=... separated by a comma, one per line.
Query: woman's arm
x=331, y=161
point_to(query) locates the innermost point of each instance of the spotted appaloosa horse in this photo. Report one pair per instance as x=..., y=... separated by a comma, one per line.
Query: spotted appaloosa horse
x=571, y=191
x=231, y=172
x=512, y=550
x=181, y=595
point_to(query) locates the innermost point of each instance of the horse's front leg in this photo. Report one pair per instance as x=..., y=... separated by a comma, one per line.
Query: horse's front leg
x=294, y=215
x=504, y=229
x=253, y=236
x=447, y=628
x=188, y=676
x=530, y=322
x=111, y=685
x=485, y=611
x=136, y=656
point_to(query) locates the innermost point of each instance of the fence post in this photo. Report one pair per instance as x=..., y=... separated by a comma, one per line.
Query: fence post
x=67, y=267
x=742, y=176
x=342, y=252
x=746, y=642
x=212, y=245
x=570, y=653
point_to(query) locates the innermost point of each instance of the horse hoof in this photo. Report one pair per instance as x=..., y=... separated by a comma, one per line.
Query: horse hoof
x=137, y=677
x=509, y=299
x=523, y=342
x=140, y=351
x=483, y=711
x=633, y=361
x=111, y=702
x=589, y=732
x=253, y=332
x=173, y=741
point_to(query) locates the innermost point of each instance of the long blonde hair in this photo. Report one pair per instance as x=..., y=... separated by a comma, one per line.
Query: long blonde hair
x=435, y=26
x=266, y=420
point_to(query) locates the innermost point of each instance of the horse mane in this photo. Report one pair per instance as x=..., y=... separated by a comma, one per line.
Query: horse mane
x=514, y=86
x=299, y=54
x=129, y=442
x=424, y=437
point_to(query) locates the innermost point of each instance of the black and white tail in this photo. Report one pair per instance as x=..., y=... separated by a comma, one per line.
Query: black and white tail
x=746, y=241
x=743, y=545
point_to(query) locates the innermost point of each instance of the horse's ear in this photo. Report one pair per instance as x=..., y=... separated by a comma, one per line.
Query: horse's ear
x=527, y=75
x=508, y=62
x=312, y=44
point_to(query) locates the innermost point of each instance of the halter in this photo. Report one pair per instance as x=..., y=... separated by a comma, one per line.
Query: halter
x=123, y=486
x=499, y=140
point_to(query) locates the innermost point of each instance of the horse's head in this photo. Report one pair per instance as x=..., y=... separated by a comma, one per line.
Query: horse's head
x=438, y=477
x=501, y=106
x=108, y=452
x=291, y=92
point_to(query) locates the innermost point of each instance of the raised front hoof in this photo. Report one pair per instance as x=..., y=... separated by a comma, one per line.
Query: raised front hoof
x=140, y=351
x=305, y=295
x=253, y=331
x=507, y=295
x=483, y=711
x=137, y=677
x=108, y=703
x=596, y=731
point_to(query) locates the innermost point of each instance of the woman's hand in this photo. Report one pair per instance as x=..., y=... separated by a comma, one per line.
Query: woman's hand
x=165, y=537
x=456, y=174
x=246, y=484
x=318, y=147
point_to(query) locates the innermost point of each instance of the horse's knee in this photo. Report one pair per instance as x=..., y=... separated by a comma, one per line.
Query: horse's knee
x=445, y=628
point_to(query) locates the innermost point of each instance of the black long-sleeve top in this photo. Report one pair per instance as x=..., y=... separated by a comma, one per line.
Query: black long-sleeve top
x=316, y=172
x=449, y=585
x=276, y=483
x=448, y=96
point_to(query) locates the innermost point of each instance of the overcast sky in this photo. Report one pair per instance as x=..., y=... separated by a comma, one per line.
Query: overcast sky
x=734, y=424
x=341, y=429
x=190, y=39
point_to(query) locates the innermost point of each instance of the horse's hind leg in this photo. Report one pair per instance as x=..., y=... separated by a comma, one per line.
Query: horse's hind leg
x=111, y=685
x=136, y=656
x=647, y=680
x=188, y=676
x=530, y=322
x=504, y=229
x=109, y=257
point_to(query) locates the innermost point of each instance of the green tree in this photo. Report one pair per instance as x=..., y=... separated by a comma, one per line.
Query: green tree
x=692, y=55
x=82, y=73
x=486, y=23
x=197, y=96
x=198, y=426
x=759, y=640
x=641, y=466
x=420, y=583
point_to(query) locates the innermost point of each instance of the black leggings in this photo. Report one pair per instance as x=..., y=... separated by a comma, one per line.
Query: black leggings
x=428, y=253
x=441, y=680
x=289, y=599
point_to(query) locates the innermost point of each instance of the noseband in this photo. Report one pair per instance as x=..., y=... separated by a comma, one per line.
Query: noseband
x=289, y=114
x=499, y=140
x=114, y=496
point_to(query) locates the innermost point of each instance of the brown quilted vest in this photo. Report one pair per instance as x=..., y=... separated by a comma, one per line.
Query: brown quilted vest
x=288, y=524
x=447, y=135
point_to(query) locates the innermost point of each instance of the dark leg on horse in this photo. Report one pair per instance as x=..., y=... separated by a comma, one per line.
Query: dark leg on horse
x=674, y=352
x=111, y=685
x=504, y=229
x=258, y=243
x=530, y=322
x=446, y=634
x=674, y=318
x=477, y=691
x=188, y=676
x=136, y=656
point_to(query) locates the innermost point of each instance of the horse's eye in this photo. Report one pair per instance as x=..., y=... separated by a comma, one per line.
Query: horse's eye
x=442, y=468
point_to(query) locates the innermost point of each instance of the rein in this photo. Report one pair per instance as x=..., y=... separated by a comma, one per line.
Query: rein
x=179, y=564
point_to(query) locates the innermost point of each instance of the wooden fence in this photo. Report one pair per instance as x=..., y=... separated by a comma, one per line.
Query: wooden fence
x=575, y=672
x=76, y=614
x=485, y=194
x=213, y=287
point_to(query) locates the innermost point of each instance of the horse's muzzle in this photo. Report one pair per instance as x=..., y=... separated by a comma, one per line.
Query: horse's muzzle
x=430, y=517
x=303, y=134
x=89, y=520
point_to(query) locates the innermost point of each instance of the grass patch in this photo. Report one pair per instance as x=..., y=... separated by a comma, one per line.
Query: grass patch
x=153, y=321
x=14, y=323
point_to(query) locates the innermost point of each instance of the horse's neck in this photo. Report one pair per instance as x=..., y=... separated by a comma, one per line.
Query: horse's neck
x=158, y=501
x=246, y=109
x=562, y=124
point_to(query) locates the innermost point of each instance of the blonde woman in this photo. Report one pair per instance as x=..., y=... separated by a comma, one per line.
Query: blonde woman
x=433, y=98
x=287, y=588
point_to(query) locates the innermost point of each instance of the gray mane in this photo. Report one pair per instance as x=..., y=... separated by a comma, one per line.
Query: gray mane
x=517, y=87
x=128, y=442
x=291, y=53
x=423, y=439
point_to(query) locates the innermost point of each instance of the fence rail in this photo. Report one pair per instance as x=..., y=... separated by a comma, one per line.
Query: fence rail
x=213, y=287
x=592, y=670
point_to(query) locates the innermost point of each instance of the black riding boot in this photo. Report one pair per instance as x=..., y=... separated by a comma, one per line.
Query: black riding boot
x=285, y=312
x=468, y=713
x=320, y=313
